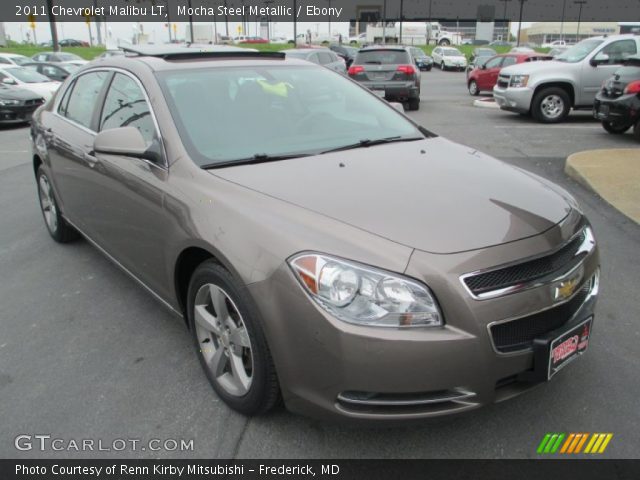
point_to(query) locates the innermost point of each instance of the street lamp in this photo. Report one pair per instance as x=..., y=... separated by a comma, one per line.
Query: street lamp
x=520, y=21
x=564, y=2
x=581, y=3
x=504, y=16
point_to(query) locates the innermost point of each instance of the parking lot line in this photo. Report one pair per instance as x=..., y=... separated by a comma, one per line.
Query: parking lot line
x=557, y=126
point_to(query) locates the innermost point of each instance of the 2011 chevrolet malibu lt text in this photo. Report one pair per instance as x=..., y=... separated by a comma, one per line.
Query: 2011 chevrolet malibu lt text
x=321, y=247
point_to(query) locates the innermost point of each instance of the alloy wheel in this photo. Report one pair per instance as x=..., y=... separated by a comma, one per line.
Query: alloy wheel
x=224, y=341
x=48, y=204
x=552, y=106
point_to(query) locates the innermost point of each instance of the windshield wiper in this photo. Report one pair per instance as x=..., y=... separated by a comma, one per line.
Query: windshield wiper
x=256, y=158
x=369, y=143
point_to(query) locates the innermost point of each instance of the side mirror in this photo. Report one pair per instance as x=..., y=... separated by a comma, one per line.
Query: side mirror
x=127, y=141
x=483, y=66
x=9, y=81
x=599, y=59
x=398, y=106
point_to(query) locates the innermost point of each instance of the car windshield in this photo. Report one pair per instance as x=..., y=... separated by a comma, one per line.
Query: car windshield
x=68, y=57
x=20, y=60
x=235, y=114
x=418, y=53
x=451, y=52
x=27, y=75
x=579, y=51
x=381, y=57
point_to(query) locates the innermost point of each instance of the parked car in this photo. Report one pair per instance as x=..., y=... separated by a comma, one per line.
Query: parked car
x=390, y=72
x=320, y=56
x=13, y=59
x=522, y=50
x=554, y=44
x=478, y=57
x=358, y=39
x=617, y=104
x=500, y=43
x=322, y=247
x=28, y=79
x=554, y=52
x=484, y=78
x=111, y=53
x=53, y=71
x=548, y=90
x=346, y=52
x=449, y=58
x=17, y=104
x=423, y=61
x=253, y=40
x=70, y=42
x=55, y=57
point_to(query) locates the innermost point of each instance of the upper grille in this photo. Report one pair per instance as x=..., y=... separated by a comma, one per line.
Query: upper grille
x=503, y=81
x=519, y=334
x=37, y=101
x=525, y=272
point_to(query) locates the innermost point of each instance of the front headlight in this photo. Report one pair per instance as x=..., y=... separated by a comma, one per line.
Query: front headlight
x=518, y=81
x=364, y=295
x=6, y=103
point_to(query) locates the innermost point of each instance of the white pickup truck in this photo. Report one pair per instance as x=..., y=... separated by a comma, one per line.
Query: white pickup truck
x=549, y=90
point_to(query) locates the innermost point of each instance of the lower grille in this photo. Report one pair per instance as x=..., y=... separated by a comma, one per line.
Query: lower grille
x=519, y=334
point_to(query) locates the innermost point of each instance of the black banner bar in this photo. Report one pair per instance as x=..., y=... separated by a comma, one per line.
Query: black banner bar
x=583, y=469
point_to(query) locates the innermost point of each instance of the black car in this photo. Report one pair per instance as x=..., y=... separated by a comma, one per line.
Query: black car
x=423, y=61
x=17, y=105
x=54, y=71
x=347, y=53
x=390, y=72
x=617, y=104
x=70, y=42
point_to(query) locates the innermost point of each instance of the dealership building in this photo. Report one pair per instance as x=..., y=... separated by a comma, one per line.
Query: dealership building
x=572, y=32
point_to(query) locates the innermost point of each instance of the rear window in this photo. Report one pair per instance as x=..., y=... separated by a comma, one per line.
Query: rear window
x=382, y=57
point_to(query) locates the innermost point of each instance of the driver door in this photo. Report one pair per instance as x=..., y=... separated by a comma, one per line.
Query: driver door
x=602, y=65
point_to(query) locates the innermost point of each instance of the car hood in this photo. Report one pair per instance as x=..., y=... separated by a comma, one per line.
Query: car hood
x=433, y=194
x=15, y=93
x=45, y=89
x=527, y=68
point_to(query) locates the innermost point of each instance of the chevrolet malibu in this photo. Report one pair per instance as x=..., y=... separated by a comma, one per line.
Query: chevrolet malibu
x=322, y=248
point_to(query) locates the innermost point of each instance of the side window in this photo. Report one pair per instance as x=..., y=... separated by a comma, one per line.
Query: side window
x=313, y=58
x=4, y=60
x=125, y=106
x=494, y=62
x=62, y=107
x=619, y=51
x=82, y=100
x=50, y=71
x=509, y=61
x=325, y=58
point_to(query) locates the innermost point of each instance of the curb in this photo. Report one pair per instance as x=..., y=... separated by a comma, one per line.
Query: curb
x=613, y=174
x=486, y=103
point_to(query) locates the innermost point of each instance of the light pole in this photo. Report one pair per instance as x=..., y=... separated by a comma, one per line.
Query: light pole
x=580, y=3
x=52, y=24
x=504, y=16
x=400, y=37
x=384, y=22
x=564, y=3
x=520, y=21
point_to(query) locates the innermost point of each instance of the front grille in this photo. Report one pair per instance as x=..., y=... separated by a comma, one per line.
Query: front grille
x=527, y=271
x=519, y=334
x=37, y=101
x=503, y=81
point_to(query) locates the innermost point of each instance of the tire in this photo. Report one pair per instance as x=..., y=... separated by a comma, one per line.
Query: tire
x=56, y=225
x=414, y=104
x=614, y=128
x=244, y=376
x=473, y=88
x=636, y=130
x=443, y=67
x=444, y=42
x=429, y=69
x=551, y=105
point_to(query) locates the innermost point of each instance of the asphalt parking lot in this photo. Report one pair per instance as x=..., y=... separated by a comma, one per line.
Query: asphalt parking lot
x=87, y=353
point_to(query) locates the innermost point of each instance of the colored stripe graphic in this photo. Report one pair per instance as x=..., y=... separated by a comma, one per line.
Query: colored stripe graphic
x=568, y=442
x=557, y=444
x=543, y=443
x=607, y=439
x=572, y=443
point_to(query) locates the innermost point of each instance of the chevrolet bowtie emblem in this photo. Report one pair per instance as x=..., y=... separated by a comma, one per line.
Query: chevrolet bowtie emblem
x=566, y=287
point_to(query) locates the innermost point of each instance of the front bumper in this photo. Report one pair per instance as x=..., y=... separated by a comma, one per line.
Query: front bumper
x=16, y=114
x=400, y=91
x=623, y=110
x=513, y=99
x=331, y=369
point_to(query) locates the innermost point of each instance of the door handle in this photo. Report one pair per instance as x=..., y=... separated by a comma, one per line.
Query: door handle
x=90, y=159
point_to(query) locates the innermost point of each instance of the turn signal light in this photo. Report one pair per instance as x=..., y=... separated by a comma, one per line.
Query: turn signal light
x=408, y=69
x=633, y=87
x=355, y=70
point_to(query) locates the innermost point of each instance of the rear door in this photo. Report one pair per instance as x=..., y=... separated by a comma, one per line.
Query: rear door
x=69, y=134
x=488, y=75
x=607, y=60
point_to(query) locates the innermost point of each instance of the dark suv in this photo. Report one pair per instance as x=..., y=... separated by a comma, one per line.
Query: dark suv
x=389, y=72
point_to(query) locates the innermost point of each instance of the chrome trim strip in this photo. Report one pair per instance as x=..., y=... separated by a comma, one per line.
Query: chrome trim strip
x=463, y=394
x=593, y=292
x=587, y=246
x=124, y=269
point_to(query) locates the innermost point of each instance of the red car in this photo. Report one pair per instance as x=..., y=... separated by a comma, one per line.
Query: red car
x=484, y=77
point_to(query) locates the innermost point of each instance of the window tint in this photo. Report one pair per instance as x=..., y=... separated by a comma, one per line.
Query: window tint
x=82, y=100
x=382, y=57
x=126, y=106
x=509, y=61
x=494, y=62
x=619, y=51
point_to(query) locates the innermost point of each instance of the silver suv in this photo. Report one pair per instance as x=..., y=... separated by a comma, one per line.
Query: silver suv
x=548, y=90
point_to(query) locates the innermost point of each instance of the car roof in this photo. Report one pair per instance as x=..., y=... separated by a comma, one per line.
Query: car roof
x=12, y=55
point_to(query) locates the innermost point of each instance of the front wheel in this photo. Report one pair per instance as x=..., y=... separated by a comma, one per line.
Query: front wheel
x=444, y=42
x=229, y=341
x=57, y=226
x=473, y=88
x=551, y=105
x=614, y=128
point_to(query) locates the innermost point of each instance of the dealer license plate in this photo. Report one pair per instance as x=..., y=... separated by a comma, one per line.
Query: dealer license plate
x=569, y=346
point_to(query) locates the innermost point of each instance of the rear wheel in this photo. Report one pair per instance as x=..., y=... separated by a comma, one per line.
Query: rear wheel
x=473, y=88
x=551, y=105
x=615, y=128
x=444, y=42
x=229, y=341
x=57, y=226
x=414, y=103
